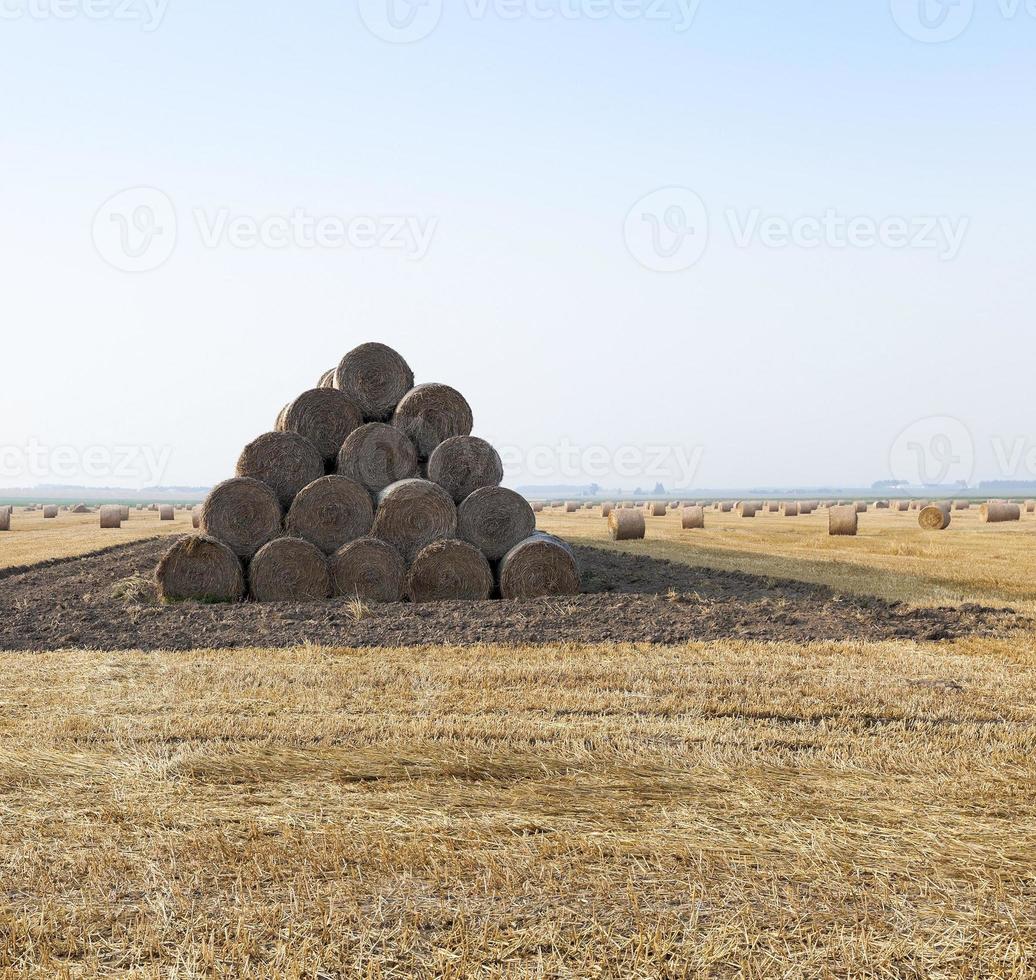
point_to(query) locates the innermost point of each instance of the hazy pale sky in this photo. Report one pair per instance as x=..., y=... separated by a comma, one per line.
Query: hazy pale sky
x=746, y=243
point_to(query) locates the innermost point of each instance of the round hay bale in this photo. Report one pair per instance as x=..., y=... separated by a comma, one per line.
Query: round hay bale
x=808, y=506
x=432, y=413
x=962, y=505
x=5, y=518
x=368, y=568
x=200, y=569
x=726, y=506
x=196, y=517
x=861, y=507
x=748, y=508
x=901, y=506
x=449, y=569
x=278, y=426
x=843, y=520
x=538, y=566
x=606, y=509
x=773, y=507
x=125, y=513
x=656, y=509
x=166, y=513
x=330, y=512
x=1030, y=506
x=537, y=508
x=571, y=506
x=289, y=570
x=881, y=505
x=244, y=514
x=376, y=378
x=50, y=512
x=494, y=520
x=111, y=516
x=323, y=416
x=626, y=525
x=412, y=514
x=78, y=509
x=285, y=461
x=997, y=513
x=790, y=509
x=692, y=518
x=376, y=455
x=935, y=517
x=327, y=379
x=463, y=464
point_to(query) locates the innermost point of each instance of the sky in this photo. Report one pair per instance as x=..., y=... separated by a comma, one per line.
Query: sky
x=709, y=244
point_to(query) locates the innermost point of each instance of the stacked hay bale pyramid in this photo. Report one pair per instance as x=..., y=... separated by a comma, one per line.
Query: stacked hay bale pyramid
x=368, y=487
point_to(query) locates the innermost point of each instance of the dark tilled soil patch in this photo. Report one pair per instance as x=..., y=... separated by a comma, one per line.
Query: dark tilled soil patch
x=104, y=601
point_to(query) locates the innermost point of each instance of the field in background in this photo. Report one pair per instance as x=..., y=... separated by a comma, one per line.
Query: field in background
x=32, y=539
x=852, y=809
x=891, y=557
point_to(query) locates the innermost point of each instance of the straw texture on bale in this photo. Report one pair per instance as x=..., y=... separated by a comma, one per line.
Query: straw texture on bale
x=726, y=506
x=901, y=505
x=789, y=509
x=494, y=520
x=412, y=514
x=626, y=525
x=196, y=517
x=327, y=379
x=243, y=513
x=325, y=417
x=376, y=378
x=843, y=520
x=125, y=512
x=289, y=570
x=200, y=569
x=5, y=518
x=463, y=464
x=998, y=513
x=656, y=509
x=166, y=513
x=369, y=569
x=377, y=455
x=962, y=505
x=692, y=518
x=808, y=506
x=861, y=507
x=571, y=507
x=330, y=512
x=111, y=516
x=285, y=461
x=773, y=507
x=606, y=509
x=50, y=512
x=935, y=517
x=432, y=413
x=449, y=569
x=540, y=565
x=747, y=508
x=78, y=509
x=1030, y=506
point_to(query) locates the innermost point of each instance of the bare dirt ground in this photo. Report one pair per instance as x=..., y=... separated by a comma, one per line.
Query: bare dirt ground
x=104, y=601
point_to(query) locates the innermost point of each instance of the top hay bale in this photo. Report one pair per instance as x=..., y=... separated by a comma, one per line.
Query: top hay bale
x=375, y=378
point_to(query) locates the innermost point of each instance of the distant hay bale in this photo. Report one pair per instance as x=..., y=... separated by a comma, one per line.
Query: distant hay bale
x=242, y=513
x=196, y=517
x=327, y=379
x=571, y=506
x=789, y=509
x=463, y=464
x=808, y=506
x=962, y=505
x=325, y=417
x=330, y=512
x=5, y=518
x=692, y=518
x=935, y=517
x=125, y=512
x=656, y=509
x=997, y=513
x=166, y=513
x=748, y=508
x=843, y=520
x=111, y=517
x=607, y=508
x=50, y=512
x=1030, y=506
x=861, y=507
x=411, y=514
x=494, y=520
x=449, y=569
x=900, y=506
x=285, y=461
x=369, y=569
x=773, y=507
x=881, y=505
x=432, y=413
x=726, y=506
x=541, y=565
x=626, y=525
x=289, y=570
x=78, y=509
x=537, y=507
x=200, y=569
x=376, y=378
x=377, y=455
